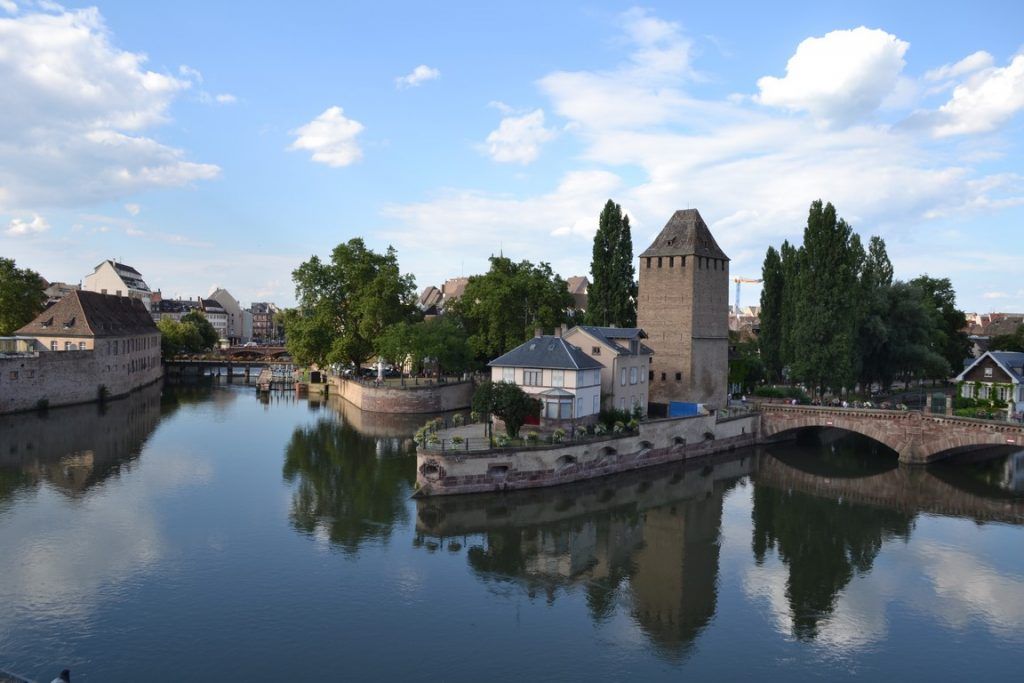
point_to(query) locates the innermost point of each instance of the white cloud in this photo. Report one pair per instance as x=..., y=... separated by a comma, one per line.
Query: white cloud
x=190, y=74
x=643, y=91
x=421, y=74
x=517, y=139
x=969, y=64
x=133, y=209
x=841, y=77
x=984, y=102
x=331, y=137
x=995, y=295
x=225, y=98
x=74, y=107
x=9, y=6
x=27, y=226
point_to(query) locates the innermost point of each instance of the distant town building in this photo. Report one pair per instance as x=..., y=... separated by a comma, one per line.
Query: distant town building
x=263, y=326
x=173, y=309
x=85, y=347
x=683, y=305
x=216, y=314
x=626, y=362
x=578, y=286
x=453, y=289
x=430, y=300
x=55, y=291
x=566, y=380
x=235, y=329
x=118, y=279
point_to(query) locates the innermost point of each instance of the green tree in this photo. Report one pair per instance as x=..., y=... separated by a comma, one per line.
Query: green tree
x=177, y=338
x=508, y=402
x=950, y=338
x=1008, y=342
x=912, y=326
x=791, y=258
x=21, y=296
x=826, y=307
x=611, y=297
x=499, y=309
x=772, y=293
x=346, y=304
x=746, y=366
x=873, y=333
x=207, y=334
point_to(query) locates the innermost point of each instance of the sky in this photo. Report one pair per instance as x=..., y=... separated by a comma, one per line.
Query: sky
x=222, y=144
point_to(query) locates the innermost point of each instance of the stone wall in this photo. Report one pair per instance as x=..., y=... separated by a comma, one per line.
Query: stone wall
x=434, y=398
x=70, y=377
x=658, y=441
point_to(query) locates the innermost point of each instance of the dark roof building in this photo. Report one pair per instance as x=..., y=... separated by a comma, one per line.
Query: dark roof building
x=548, y=352
x=91, y=314
x=685, y=234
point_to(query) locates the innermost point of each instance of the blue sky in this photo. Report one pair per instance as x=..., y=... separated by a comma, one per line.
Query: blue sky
x=210, y=144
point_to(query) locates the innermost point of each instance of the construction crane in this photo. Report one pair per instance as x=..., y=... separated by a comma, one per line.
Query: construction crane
x=739, y=281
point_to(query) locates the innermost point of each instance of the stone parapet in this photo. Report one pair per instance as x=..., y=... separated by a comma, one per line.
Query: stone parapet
x=434, y=398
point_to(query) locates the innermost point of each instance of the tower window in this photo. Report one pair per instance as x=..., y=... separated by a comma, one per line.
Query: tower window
x=663, y=377
x=679, y=376
x=648, y=261
x=671, y=261
x=682, y=261
x=659, y=262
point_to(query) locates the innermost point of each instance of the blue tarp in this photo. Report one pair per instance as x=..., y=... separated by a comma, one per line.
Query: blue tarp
x=681, y=409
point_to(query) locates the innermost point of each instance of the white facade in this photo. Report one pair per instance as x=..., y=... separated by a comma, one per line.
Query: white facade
x=118, y=279
x=234, y=323
x=625, y=374
x=566, y=394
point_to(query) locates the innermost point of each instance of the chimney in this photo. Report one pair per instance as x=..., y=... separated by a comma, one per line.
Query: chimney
x=562, y=330
x=537, y=332
x=558, y=331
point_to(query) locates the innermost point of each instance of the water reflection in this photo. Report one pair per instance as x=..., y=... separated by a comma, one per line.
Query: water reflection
x=646, y=539
x=826, y=511
x=350, y=488
x=78, y=447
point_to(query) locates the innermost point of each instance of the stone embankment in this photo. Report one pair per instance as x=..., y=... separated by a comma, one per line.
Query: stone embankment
x=424, y=398
x=657, y=442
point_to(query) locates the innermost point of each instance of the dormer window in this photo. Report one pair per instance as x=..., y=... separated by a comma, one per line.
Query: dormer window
x=68, y=324
x=47, y=323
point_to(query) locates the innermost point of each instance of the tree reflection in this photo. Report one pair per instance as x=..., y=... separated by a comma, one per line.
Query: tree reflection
x=351, y=487
x=824, y=541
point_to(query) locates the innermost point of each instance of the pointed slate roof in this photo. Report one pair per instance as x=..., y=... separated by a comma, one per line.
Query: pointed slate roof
x=91, y=314
x=685, y=234
x=546, y=352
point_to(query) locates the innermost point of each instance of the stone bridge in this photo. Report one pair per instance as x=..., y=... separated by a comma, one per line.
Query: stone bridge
x=919, y=438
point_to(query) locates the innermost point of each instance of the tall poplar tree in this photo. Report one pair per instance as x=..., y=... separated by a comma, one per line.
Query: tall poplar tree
x=611, y=297
x=770, y=339
x=791, y=258
x=825, y=330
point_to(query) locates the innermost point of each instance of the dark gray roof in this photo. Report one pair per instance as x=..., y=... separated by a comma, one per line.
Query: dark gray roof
x=613, y=335
x=1012, y=362
x=685, y=234
x=176, y=305
x=91, y=314
x=546, y=352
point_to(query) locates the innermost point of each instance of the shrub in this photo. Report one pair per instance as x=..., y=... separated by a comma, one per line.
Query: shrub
x=501, y=440
x=433, y=439
x=458, y=419
x=532, y=437
x=600, y=429
x=458, y=441
x=557, y=435
x=581, y=432
x=421, y=436
x=633, y=424
x=618, y=427
x=474, y=416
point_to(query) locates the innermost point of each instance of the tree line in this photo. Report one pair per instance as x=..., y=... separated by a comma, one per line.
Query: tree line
x=833, y=316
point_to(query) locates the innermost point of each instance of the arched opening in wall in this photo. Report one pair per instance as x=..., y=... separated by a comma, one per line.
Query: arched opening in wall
x=607, y=451
x=678, y=441
x=498, y=472
x=834, y=453
x=646, y=445
x=564, y=463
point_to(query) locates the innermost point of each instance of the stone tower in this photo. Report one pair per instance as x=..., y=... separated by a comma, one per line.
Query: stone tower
x=683, y=306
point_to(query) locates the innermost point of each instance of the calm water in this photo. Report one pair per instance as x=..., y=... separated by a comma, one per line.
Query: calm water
x=199, y=534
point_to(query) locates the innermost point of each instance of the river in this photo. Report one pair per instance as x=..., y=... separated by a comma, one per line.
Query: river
x=198, y=533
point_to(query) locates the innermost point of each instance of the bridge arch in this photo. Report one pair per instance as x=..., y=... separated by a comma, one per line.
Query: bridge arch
x=875, y=425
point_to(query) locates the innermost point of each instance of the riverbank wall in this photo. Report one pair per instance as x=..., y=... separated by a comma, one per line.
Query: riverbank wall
x=427, y=398
x=62, y=378
x=440, y=473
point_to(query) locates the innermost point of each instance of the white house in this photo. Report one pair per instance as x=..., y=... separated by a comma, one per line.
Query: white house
x=995, y=375
x=118, y=279
x=565, y=379
x=236, y=332
x=217, y=316
x=626, y=360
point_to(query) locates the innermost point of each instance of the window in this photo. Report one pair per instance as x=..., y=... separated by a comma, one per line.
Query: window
x=53, y=346
x=988, y=372
x=595, y=350
x=622, y=403
x=633, y=401
x=671, y=261
x=103, y=291
x=558, y=378
x=650, y=375
x=579, y=406
x=67, y=346
x=622, y=377
x=118, y=292
x=641, y=378
x=532, y=378
x=597, y=405
x=663, y=377
x=659, y=262
x=31, y=374
x=632, y=375
x=508, y=374
x=679, y=377
x=14, y=374
x=648, y=261
x=565, y=409
x=81, y=346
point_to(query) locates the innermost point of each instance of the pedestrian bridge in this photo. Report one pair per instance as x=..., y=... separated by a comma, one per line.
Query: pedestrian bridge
x=919, y=438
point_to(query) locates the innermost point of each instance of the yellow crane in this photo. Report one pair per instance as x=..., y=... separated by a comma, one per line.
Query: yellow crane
x=739, y=281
